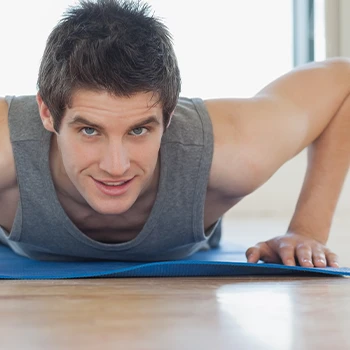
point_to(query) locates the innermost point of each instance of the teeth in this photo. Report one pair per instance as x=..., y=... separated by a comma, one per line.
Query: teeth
x=114, y=183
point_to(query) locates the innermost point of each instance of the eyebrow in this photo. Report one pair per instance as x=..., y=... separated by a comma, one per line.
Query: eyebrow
x=81, y=120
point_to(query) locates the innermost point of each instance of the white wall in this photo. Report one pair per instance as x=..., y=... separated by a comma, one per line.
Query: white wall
x=344, y=27
x=24, y=27
x=230, y=48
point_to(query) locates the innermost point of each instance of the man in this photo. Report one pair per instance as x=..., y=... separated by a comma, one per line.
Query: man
x=107, y=163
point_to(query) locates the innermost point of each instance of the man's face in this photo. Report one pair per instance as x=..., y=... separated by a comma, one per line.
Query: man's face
x=109, y=146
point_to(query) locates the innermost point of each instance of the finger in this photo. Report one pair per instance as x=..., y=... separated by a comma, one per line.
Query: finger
x=304, y=255
x=253, y=254
x=332, y=259
x=319, y=258
x=262, y=251
x=286, y=252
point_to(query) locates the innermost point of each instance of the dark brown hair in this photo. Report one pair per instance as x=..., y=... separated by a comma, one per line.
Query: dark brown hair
x=116, y=46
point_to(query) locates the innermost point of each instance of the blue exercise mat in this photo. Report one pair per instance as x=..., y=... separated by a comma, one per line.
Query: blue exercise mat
x=228, y=260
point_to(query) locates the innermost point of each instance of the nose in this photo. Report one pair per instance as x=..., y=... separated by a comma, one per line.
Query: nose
x=115, y=159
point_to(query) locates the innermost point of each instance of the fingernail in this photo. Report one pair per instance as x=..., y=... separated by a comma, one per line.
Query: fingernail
x=307, y=261
x=336, y=264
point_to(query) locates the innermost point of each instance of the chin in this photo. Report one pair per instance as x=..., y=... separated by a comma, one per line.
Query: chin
x=111, y=208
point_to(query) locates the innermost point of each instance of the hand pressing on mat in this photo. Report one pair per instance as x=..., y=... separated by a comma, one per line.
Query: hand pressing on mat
x=291, y=249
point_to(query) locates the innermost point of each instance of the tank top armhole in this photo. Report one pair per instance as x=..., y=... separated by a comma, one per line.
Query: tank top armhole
x=203, y=171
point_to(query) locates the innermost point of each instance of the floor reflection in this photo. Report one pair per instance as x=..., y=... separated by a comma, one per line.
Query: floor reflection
x=265, y=315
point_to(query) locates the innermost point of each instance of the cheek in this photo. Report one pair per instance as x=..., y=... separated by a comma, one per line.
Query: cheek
x=76, y=156
x=148, y=155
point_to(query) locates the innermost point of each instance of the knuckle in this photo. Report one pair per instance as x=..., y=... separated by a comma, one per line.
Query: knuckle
x=285, y=247
x=319, y=255
x=303, y=246
x=332, y=256
x=249, y=251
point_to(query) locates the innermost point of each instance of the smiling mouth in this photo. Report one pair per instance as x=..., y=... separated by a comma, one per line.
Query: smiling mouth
x=115, y=188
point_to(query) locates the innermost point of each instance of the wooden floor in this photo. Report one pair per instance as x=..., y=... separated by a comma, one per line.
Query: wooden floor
x=279, y=313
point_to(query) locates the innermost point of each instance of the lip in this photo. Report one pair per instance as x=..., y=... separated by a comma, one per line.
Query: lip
x=113, y=190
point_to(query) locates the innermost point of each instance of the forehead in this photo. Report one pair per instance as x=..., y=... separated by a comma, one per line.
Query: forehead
x=101, y=103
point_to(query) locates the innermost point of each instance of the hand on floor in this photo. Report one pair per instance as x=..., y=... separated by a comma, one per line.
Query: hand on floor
x=291, y=249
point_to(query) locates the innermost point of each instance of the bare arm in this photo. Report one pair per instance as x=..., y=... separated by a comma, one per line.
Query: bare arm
x=7, y=166
x=307, y=107
x=258, y=135
x=328, y=165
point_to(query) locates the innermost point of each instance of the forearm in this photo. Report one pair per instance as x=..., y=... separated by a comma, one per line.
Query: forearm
x=328, y=165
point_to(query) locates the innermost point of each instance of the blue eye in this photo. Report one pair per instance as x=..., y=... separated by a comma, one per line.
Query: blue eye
x=139, y=131
x=89, y=131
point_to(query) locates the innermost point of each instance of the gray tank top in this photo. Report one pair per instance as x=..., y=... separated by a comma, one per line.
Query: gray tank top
x=175, y=227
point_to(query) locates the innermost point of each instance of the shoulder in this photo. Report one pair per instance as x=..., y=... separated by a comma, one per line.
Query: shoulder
x=7, y=164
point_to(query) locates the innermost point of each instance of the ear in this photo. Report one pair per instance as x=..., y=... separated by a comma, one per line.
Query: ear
x=45, y=114
x=171, y=117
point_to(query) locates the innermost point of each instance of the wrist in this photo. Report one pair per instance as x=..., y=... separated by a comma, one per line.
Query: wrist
x=318, y=234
